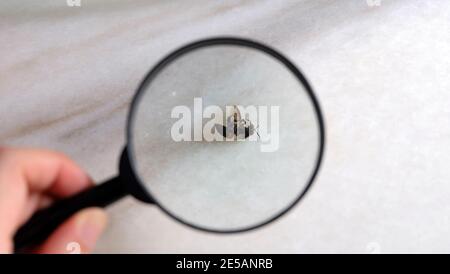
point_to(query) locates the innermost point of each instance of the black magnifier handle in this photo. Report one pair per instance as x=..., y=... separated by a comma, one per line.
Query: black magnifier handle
x=45, y=221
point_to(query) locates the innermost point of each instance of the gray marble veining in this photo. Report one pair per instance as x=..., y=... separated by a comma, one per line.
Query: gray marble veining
x=67, y=75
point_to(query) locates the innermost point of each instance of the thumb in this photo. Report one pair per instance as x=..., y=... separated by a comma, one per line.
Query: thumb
x=78, y=234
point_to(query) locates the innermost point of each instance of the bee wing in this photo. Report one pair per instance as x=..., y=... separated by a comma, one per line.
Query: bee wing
x=237, y=112
x=219, y=129
x=234, y=117
x=222, y=130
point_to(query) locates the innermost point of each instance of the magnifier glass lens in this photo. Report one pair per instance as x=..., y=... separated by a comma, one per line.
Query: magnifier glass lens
x=236, y=183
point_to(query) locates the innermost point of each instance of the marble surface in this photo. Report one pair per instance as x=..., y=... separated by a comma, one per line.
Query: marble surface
x=67, y=75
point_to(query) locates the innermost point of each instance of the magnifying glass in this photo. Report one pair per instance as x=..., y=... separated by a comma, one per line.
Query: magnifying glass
x=224, y=135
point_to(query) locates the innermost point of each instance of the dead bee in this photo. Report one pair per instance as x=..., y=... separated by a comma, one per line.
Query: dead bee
x=236, y=127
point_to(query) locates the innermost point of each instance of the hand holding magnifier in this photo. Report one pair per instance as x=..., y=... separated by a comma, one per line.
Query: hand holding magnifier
x=212, y=186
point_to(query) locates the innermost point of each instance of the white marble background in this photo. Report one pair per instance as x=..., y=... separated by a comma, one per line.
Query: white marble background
x=67, y=75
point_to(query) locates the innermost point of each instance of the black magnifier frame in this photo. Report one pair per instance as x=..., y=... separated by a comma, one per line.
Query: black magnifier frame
x=45, y=221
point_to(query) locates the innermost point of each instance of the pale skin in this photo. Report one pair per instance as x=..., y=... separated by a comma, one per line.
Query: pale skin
x=31, y=179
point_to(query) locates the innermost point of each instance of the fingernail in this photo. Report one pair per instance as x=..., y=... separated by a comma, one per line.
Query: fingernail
x=91, y=225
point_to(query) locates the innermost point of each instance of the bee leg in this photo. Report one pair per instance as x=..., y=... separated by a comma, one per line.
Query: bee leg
x=257, y=132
